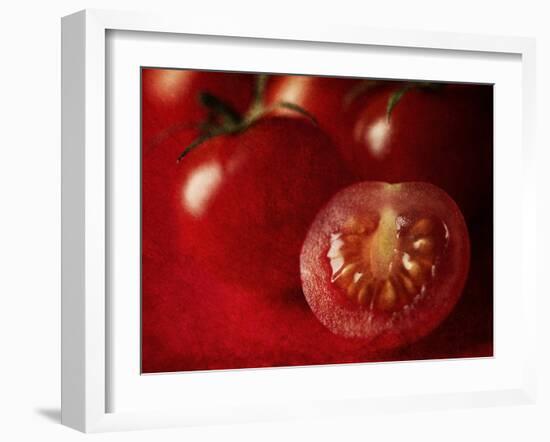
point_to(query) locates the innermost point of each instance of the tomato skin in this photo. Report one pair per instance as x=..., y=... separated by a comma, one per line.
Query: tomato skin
x=381, y=331
x=443, y=136
x=244, y=201
x=170, y=100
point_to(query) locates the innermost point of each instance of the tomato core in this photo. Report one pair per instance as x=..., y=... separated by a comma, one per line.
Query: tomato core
x=386, y=262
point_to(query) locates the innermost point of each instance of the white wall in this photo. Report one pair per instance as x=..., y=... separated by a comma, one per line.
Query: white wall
x=30, y=220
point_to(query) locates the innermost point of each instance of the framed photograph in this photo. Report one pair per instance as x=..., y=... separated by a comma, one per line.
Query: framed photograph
x=262, y=223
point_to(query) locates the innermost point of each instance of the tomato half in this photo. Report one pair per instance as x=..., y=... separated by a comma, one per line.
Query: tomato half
x=385, y=263
x=244, y=201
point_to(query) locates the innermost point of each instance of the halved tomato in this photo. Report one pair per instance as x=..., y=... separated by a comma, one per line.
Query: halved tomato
x=385, y=263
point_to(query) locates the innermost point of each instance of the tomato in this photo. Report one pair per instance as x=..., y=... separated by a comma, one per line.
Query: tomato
x=442, y=134
x=171, y=115
x=385, y=263
x=327, y=99
x=170, y=103
x=244, y=201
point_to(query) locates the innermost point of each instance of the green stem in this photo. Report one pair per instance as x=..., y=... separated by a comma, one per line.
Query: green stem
x=218, y=107
x=257, y=107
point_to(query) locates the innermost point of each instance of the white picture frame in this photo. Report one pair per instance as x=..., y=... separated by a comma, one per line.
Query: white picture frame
x=86, y=351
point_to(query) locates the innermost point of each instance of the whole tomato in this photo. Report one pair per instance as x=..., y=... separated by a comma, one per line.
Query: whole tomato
x=244, y=200
x=441, y=134
x=171, y=105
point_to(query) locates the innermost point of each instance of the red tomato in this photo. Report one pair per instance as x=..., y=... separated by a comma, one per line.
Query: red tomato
x=385, y=263
x=170, y=103
x=440, y=135
x=171, y=112
x=325, y=98
x=245, y=201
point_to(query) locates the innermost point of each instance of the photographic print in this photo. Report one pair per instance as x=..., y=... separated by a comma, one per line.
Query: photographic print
x=295, y=220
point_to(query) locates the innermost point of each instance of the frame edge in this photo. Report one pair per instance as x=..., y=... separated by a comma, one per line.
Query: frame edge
x=73, y=81
x=83, y=290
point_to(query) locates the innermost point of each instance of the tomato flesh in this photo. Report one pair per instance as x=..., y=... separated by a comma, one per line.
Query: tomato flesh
x=385, y=263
